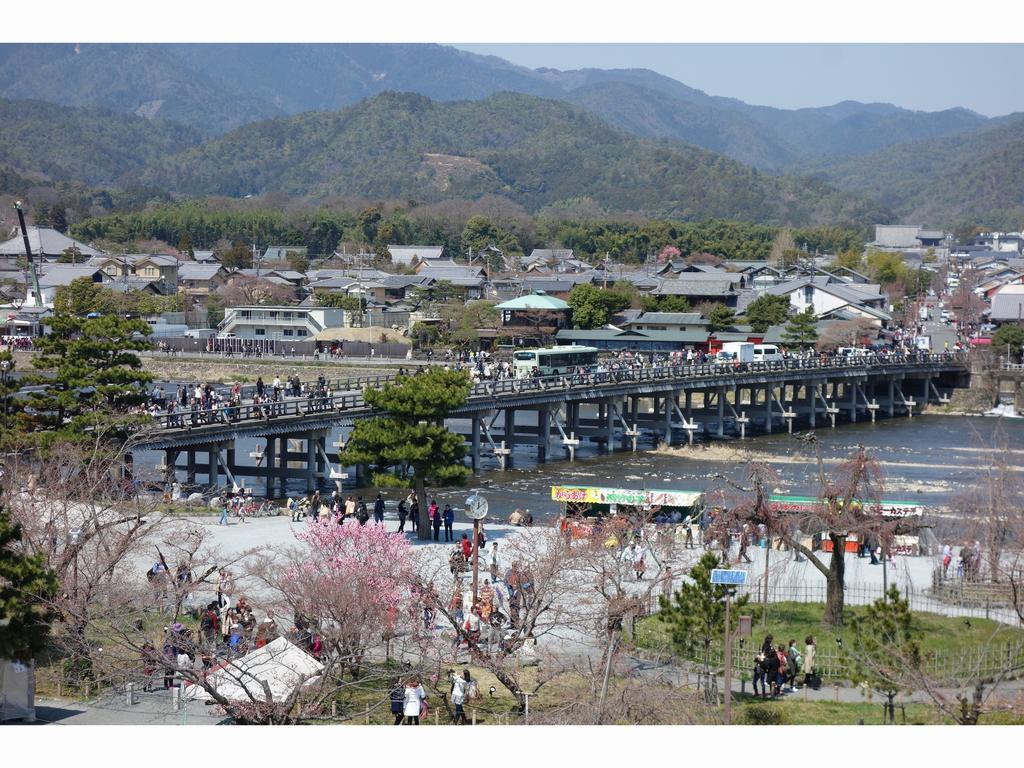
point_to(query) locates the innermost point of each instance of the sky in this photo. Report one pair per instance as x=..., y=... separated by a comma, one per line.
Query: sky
x=923, y=76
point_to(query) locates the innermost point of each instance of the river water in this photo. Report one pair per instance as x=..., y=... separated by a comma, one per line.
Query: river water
x=929, y=459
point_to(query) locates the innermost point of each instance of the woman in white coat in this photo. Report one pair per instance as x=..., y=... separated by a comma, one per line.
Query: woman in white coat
x=415, y=697
x=460, y=692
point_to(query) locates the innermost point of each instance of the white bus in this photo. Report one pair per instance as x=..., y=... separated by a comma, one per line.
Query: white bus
x=553, y=361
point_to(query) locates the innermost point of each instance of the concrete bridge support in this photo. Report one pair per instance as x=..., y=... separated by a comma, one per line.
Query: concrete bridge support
x=474, y=452
x=544, y=431
x=510, y=433
x=271, y=458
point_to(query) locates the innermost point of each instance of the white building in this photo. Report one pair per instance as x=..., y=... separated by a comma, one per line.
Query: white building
x=58, y=275
x=281, y=323
x=831, y=298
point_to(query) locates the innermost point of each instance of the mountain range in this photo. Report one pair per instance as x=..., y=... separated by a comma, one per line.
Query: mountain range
x=320, y=119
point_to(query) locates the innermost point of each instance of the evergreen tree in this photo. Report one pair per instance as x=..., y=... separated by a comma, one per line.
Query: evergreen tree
x=411, y=440
x=185, y=245
x=27, y=588
x=1010, y=338
x=59, y=218
x=722, y=318
x=767, y=310
x=592, y=307
x=93, y=378
x=884, y=647
x=665, y=304
x=696, y=613
x=802, y=329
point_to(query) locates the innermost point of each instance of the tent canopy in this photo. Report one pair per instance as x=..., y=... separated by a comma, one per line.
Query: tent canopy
x=281, y=664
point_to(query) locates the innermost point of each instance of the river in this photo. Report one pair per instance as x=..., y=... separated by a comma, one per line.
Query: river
x=932, y=459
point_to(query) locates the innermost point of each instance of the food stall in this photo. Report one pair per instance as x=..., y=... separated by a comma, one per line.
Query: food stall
x=585, y=508
x=902, y=544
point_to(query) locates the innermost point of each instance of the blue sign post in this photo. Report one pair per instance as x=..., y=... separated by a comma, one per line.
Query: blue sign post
x=732, y=578
x=728, y=577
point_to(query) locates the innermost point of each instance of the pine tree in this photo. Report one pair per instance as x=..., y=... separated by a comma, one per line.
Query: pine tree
x=59, y=218
x=27, y=588
x=93, y=378
x=722, y=318
x=884, y=647
x=411, y=445
x=696, y=613
x=185, y=245
x=802, y=329
x=767, y=310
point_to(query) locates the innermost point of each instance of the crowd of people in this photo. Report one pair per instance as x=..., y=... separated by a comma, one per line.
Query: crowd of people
x=226, y=630
x=21, y=343
x=776, y=667
x=968, y=562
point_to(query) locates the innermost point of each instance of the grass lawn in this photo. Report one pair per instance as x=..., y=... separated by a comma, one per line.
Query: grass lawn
x=947, y=637
x=796, y=712
x=786, y=621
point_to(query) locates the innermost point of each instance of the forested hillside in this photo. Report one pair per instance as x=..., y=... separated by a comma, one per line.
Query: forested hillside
x=976, y=177
x=535, y=151
x=90, y=145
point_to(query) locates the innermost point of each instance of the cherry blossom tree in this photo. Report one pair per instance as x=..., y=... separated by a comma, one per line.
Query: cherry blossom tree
x=352, y=584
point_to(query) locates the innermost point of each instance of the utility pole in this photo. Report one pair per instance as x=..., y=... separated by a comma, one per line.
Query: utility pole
x=728, y=660
x=729, y=579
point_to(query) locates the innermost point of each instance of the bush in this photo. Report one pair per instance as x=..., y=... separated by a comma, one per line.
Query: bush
x=758, y=714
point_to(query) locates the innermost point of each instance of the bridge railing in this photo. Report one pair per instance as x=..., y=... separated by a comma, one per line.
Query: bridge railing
x=232, y=414
x=702, y=371
x=305, y=406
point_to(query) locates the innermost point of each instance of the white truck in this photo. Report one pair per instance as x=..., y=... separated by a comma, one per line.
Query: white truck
x=736, y=351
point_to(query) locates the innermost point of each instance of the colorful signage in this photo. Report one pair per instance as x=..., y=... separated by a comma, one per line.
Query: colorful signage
x=809, y=504
x=627, y=497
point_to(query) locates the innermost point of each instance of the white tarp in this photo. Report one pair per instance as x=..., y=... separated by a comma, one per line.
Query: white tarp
x=17, y=691
x=281, y=664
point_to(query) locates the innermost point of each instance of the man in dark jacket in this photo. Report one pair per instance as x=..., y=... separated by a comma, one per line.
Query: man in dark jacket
x=435, y=521
x=449, y=520
x=403, y=513
x=378, y=510
x=362, y=514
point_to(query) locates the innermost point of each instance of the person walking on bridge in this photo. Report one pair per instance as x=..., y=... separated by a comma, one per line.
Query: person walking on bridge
x=378, y=510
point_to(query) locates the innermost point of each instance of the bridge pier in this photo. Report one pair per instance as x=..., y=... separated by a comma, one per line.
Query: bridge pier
x=474, y=453
x=271, y=456
x=720, y=396
x=544, y=429
x=510, y=435
x=310, y=468
x=768, y=394
x=190, y=467
x=320, y=446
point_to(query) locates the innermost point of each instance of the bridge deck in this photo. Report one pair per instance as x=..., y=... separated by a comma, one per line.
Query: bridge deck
x=298, y=415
